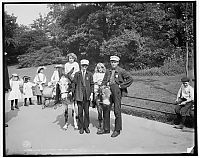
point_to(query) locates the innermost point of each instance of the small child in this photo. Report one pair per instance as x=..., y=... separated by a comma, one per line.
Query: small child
x=15, y=93
x=72, y=58
x=27, y=90
x=39, y=80
x=184, y=101
x=98, y=76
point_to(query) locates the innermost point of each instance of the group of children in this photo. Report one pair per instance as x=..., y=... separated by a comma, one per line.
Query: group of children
x=84, y=85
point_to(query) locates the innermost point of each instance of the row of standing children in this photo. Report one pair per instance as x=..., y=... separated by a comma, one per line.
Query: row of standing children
x=91, y=83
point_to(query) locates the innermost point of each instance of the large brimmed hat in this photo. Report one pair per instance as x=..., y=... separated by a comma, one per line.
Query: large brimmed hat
x=114, y=58
x=40, y=67
x=84, y=62
x=58, y=66
x=15, y=75
x=24, y=77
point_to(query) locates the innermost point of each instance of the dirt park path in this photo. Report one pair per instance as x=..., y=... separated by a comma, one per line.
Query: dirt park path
x=35, y=131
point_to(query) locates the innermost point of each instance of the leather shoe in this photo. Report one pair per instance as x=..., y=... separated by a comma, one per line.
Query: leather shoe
x=12, y=108
x=16, y=107
x=87, y=130
x=103, y=132
x=115, y=134
x=81, y=131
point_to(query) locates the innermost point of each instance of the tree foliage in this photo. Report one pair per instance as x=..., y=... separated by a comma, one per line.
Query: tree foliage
x=144, y=35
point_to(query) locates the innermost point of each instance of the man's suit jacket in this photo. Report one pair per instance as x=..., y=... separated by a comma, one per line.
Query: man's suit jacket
x=122, y=78
x=77, y=85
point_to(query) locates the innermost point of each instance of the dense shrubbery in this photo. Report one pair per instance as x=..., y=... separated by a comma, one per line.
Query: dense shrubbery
x=45, y=56
x=172, y=66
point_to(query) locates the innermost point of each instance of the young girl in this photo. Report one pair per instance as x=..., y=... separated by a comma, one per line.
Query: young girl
x=98, y=76
x=15, y=93
x=27, y=90
x=55, y=81
x=72, y=58
x=66, y=95
x=71, y=67
x=39, y=80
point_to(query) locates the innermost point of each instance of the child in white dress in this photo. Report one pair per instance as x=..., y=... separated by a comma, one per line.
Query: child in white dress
x=71, y=67
x=98, y=76
x=15, y=93
x=72, y=58
x=39, y=80
x=27, y=90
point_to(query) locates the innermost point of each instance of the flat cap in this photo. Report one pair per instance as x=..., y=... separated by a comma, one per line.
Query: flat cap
x=114, y=58
x=185, y=79
x=84, y=62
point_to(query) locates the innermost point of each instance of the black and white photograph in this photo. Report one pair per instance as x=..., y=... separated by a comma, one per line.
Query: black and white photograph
x=102, y=78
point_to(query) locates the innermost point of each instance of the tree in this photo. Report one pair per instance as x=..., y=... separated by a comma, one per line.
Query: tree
x=10, y=43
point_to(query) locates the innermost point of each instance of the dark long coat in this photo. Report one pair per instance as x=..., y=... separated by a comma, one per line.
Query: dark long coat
x=77, y=85
x=122, y=78
x=6, y=75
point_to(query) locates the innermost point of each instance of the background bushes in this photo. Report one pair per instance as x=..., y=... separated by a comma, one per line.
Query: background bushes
x=45, y=56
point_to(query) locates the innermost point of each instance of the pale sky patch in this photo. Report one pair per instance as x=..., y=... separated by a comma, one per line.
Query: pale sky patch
x=26, y=13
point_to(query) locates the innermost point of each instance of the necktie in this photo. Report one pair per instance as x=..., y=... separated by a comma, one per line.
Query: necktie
x=112, y=78
x=84, y=78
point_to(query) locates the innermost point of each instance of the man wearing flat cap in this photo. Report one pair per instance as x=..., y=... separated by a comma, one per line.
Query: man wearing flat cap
x=83, y=87
x=118, y=80
x=184, y=101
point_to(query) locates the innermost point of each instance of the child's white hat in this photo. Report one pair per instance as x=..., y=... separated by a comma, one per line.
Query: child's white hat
x=15, y=75
x=59, y=65
x=40, y=67
x=84, y=62
x=114, y=58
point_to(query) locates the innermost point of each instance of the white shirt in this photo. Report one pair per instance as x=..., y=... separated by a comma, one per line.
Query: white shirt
x=187, y=93
x=40, y=78
x=97, y=78
x=69, y=66
x=55, y=76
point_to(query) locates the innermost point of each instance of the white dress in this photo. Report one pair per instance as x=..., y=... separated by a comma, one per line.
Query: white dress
x=15, y=92
x=69, y=66
x=97, y=78
x=40, y=79
x=27, y=90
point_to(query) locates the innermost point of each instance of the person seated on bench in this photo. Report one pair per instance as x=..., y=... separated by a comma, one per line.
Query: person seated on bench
x=184, y=101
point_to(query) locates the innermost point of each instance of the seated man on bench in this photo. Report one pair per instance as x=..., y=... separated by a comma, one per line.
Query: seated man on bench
x=184, y=101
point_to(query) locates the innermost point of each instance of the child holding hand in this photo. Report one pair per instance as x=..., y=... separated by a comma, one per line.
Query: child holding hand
x=27, y=90
x=15, y=93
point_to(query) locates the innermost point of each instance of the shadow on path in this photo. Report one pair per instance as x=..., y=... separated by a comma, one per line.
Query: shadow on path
x=60, y=119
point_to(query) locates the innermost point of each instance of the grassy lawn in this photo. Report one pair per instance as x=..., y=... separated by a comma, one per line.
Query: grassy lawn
x=159, y=88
